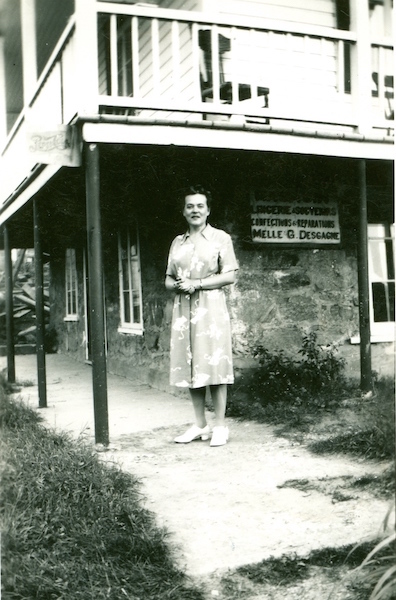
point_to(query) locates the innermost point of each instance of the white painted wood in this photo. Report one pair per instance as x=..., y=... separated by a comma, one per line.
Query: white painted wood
x=29, y=57
x=113, y=56
x=86, y=55
x=361, y=59
x=135, y=57
x=24, y=197
x=70, y=100
x=212, y=137
x=155, y=56
x=3, y=104
x=215, y=64
x=229, y=20
x=175, y=59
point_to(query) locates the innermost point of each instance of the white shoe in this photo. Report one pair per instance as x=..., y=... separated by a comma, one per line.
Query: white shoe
x=220, y=436
x=193, y=434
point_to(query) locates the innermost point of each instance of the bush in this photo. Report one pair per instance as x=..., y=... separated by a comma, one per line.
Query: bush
x=282, y=387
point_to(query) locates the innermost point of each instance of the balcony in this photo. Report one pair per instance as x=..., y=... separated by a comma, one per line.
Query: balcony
x=161, y=65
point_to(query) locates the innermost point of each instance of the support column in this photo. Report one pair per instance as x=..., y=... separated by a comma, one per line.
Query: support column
x=29, y=53
x=96, y=295
x=9, y=306
x=366, y=382
x=361, y=64
x=40, y=323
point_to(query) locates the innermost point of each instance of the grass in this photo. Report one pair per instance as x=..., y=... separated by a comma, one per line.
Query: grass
x=73, y=527
x=345, y=566
x=373, y=436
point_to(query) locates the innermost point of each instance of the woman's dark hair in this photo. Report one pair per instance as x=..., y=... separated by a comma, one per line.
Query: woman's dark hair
x=191, y=190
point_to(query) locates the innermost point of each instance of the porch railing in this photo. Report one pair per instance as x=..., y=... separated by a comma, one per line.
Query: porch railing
x=178, y=63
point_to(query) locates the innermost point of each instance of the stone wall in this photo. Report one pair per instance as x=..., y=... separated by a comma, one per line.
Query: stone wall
x=281, y=292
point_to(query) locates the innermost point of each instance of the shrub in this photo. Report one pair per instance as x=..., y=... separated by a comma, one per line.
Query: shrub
x=281, y=387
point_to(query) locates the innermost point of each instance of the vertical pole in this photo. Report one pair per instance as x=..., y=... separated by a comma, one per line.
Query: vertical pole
x=366, y=383
x=29, y=57
x=95, y=279
x=9, y=305
x=40, y=323
x=361, y=59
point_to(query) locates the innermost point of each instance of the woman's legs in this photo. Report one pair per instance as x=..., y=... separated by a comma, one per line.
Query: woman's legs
x=198, y=399
x=219, y=398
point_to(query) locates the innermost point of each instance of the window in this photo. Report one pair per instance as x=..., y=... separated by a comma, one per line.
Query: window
x=130, y=282
x=71, y=285
x=381, y=248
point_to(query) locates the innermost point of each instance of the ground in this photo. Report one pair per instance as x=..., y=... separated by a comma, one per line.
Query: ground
x=259, y=496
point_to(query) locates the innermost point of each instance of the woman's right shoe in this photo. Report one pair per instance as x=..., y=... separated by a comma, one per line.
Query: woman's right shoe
x=220, y=436
x=193, y=433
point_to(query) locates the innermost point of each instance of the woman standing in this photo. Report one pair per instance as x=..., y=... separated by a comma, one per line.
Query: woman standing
x=201, y=262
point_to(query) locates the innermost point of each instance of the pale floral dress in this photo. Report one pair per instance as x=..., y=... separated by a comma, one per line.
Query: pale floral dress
x=201, y=333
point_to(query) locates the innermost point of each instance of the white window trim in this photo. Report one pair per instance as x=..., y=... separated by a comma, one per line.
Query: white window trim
x=385, y=331
x=124, y=327
x=73, y=316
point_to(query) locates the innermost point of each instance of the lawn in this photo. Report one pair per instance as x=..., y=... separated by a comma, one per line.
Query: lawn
x=75, y=528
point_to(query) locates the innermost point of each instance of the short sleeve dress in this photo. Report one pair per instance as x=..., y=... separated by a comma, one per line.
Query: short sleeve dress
x=201, y=351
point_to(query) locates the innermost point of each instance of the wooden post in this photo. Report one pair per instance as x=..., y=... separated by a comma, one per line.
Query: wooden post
x=366, y=382
x=29, y=59
x=9, y=306
x=40, y=322
x=361, y=61
x=96, y=295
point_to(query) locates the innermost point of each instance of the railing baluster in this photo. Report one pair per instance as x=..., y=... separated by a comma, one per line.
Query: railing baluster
x=215, y=64
x=381, y=80
x=175, y=59
x=340, y=67
x=196, y=63
x=156, y=55
x=253, y=79
x=135, y=57
x=234, y=70
x=113, y=56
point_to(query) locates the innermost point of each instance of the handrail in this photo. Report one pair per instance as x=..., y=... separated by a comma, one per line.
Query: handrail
x=225, y=21
x=39, y=84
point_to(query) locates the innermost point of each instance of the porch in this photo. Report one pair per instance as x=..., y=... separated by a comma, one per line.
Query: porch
x=117, y=65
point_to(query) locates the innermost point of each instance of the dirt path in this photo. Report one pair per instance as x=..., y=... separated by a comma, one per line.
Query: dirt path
x=227, y=506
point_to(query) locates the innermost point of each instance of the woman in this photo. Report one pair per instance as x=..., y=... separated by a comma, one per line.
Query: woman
x=201, y=262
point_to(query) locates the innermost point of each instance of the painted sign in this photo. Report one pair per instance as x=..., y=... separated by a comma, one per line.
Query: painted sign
x=294, y=222
x=58, y=145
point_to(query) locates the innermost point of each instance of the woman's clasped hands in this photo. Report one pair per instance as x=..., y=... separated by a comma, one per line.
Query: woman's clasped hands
x=184, y=285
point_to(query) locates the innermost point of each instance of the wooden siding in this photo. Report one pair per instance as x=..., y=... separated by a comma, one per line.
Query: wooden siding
x=312, y=12
x=181, y=4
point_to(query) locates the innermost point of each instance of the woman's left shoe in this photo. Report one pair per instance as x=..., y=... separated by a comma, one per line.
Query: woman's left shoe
x=220, y=436
x=193, y=433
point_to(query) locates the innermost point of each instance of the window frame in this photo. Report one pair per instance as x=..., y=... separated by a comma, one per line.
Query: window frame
x=134, y=327
x=71, y=286
x=381, y=331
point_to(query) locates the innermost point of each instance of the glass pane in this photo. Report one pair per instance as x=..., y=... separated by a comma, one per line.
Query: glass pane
x=380, y=302
x=127, y=310
x=391, y=288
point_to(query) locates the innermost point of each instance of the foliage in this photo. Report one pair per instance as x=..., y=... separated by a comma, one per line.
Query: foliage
x=376, y=575
x=375, y=438
x=73, y=527
x=282, y=388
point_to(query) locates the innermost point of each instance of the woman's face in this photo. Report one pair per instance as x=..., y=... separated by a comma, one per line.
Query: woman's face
x=196, y=210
